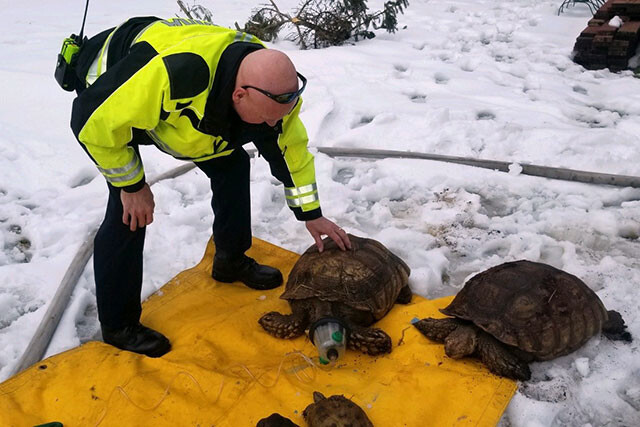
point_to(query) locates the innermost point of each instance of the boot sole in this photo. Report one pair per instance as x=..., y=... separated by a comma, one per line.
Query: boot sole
x=162, y=348
x=258, y=286
x=159, y=352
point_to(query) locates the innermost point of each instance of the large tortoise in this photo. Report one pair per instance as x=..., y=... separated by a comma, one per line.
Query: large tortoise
x=334, y=411
x=357, y=287
x=518, y=312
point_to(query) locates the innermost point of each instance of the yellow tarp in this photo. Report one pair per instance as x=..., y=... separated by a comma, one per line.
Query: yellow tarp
x=224, y=370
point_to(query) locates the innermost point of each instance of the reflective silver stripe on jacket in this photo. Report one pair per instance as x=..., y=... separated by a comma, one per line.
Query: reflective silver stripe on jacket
x=125, y=173
x=240, y=37
x=99, y=65
x=163, y=145
x=135, y=40
x=299, y=201
x=298, y=196
x=299, y=191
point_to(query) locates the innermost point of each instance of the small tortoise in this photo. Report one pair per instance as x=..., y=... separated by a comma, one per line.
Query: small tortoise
x=335, y=411
x=357, y=287
x=519, y=312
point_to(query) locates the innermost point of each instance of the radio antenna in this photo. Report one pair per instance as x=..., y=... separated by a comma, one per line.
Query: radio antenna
x=84, y=20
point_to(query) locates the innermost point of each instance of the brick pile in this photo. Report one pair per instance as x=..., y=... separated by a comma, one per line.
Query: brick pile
x=601, y=45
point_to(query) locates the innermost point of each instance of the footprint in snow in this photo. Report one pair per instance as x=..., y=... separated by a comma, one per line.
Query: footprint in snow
x=400, y=71
x=581, y=90
x=469, y=65
x=441, y=78
x=343, y=175
x=485, y=115
x=507, y=59
x=364, y=120
x=83, y=177
x=418, y=98
x=16, y=246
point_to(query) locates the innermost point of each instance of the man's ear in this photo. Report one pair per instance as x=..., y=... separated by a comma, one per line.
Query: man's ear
x=238, y=94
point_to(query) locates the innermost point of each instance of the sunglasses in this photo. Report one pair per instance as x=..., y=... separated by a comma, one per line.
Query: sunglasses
x=283, y=98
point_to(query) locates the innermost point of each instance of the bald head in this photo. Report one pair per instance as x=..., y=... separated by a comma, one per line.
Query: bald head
x=269, y=70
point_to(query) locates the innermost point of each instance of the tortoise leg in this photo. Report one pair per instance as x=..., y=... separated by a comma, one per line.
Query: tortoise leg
x=497, y=357
x=371, y=341
x=405, y=295
x=437, y=329
x=285, y=326
x=614, y=327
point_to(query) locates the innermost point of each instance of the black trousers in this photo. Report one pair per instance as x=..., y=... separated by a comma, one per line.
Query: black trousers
x=118, y=250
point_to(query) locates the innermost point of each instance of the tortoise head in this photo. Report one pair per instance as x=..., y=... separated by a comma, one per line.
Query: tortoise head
x=317, y=396
x=276, y=420
x=462, y=341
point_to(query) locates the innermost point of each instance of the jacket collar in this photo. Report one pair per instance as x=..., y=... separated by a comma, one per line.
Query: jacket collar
x=219, y=114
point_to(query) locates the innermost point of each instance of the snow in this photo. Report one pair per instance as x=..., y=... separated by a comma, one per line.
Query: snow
x=582, y=365
x=483, y=79
x=616, y=21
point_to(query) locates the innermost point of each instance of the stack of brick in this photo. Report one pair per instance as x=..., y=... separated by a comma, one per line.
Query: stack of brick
x=628, y=8
x=601, y=45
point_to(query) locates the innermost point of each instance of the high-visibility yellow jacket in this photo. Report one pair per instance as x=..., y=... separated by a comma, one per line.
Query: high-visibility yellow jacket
x=170, y=82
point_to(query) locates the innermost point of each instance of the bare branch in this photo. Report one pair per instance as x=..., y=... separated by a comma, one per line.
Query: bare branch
x=184, y=9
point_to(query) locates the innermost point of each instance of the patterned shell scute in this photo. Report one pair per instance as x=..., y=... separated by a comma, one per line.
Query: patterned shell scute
x=532, y=306
x=335, y=411
x=368, y=277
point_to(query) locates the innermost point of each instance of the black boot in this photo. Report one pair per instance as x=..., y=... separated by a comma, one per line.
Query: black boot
x=246, y=270
x=138, y=339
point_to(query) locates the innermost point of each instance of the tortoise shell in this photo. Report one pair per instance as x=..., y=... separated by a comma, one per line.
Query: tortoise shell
x=334, y=411
x=539, y=309
x=368, y=277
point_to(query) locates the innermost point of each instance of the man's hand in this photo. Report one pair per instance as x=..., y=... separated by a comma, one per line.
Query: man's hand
x=322, y=226
x=137, y=208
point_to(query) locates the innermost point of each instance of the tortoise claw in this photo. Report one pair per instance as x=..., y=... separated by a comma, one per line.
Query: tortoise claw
x=371, y=341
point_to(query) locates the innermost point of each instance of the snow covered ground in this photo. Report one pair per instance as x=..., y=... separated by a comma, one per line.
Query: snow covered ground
x=478, y=78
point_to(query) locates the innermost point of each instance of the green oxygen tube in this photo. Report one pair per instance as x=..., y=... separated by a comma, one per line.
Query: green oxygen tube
x=65, y=66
